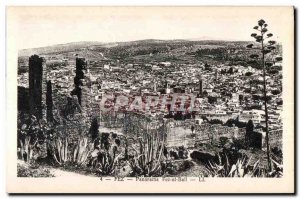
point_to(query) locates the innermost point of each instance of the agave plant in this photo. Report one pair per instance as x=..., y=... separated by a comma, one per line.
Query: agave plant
x=81, y=151
x=26, y=148
x=60, y=150
x=105, y=154
x=218, y=169
x=277, y=170
x=148, y=158
x=241, y=168
x=107, y=160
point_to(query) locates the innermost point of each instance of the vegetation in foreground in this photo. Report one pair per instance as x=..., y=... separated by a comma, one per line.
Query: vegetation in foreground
x=30, y=170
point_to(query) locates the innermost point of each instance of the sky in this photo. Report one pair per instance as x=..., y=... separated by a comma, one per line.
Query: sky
x=38, y=26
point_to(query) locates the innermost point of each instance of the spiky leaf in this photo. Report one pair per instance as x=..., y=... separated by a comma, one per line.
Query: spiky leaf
x=271, y=42
x=266, y=51
x=271, y=47
x=269, y=64
x=261, y=22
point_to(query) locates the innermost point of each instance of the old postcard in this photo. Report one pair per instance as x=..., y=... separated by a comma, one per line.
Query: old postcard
x=150, y=100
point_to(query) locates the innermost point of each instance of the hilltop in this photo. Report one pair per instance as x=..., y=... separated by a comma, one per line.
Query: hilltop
x=187, y=51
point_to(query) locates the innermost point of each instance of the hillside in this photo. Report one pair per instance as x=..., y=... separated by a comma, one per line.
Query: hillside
x=134, y=46
x=58, y=48
x=151, y=50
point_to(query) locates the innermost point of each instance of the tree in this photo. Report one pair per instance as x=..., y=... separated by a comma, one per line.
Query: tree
x=207, y=67
x=275, y=92
x=230, y=70
x=216, y=121
x=212, y=99
x=241, y=98
x=247, y=74
x=265, y=47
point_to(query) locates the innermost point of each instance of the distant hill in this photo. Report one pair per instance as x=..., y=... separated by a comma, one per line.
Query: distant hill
x=150, y=50
x=58, y=48
x=92, y=45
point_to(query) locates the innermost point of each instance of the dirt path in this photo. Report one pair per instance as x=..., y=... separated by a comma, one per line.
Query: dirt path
x=68, y=174
x=57, y=172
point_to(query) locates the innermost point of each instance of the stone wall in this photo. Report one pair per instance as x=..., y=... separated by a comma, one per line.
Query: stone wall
x=180, y=133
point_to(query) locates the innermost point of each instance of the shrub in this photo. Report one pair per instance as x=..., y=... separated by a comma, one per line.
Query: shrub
x=277, y=151
x=106, y=156
x=216, y=121
x=31, y=132
x=107, y=161
x=31, y=171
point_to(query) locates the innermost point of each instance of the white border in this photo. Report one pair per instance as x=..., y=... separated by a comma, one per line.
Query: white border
x=104, y=2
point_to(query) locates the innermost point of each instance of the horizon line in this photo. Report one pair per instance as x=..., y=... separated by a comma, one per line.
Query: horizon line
x=111, y=42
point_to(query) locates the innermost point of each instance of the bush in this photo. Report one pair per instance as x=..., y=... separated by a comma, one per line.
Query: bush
x=248, y=74
x=32, y=171
x=107, y=155
x=277, y=152
x=216, y=121
x=175, y=168
x=107, y=160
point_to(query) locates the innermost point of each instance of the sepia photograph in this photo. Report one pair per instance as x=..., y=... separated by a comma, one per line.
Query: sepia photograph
x=150, y=99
